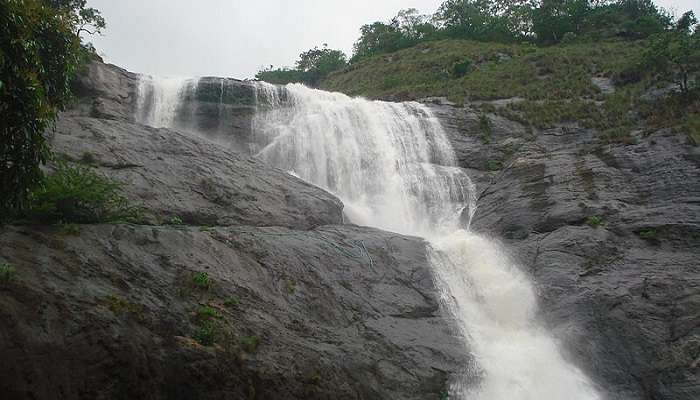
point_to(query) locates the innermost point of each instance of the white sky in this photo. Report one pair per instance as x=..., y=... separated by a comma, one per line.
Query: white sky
x=234, y=38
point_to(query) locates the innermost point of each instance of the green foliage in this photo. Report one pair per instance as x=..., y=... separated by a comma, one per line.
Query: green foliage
x=249, y=344
x=202, y=280
x=70, y=229
x=206, y=333
x=648, y=234
x=692, y=127
x=676, y=53
x=78, y=194
x=486, y=128
x=406, y=29
x=40, y=52
x=7, y=273
x=461, y=68
x=207, y=312
x=313, y=65
x=594, y=221
x=494, y=165
x=290, y=286
x=121, y=306
x=175, y=220
x=231, y=302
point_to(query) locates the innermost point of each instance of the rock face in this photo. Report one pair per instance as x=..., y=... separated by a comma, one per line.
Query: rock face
x=262, y=293
x=611, y=235
x=173, y=174
x=111, y=312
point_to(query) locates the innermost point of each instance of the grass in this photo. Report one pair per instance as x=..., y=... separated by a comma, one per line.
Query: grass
x=206, y=333
x=291, y=286
x=594, y=221
x=201, y=280
x=486, y=128
x=526, y=71
x=77, y=194
x=207, y=312
x=554, y=84
x=121, y=306
x=174, y=220
x=231, y=302
x=7, y=273
x=249, y=344
x=648, y=234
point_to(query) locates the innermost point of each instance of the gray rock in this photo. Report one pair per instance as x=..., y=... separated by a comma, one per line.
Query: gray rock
x=624, y=297
x=173, y=174
x=339, y=312
x=605, y=85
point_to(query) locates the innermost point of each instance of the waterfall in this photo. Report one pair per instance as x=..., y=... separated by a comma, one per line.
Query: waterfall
x=394, y=168
x=158, y=99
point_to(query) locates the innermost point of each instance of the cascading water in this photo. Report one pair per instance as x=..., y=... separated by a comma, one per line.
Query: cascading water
x=394, y=169
x=158, y=99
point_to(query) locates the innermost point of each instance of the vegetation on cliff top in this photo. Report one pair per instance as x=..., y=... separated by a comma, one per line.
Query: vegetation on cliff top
x=614, y=66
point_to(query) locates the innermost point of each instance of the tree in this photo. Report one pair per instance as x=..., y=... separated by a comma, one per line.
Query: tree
x=82, y=18
x=406, y=29
x=675, y=54
x=312, y=66
x=39, y=54
x=492, y=20
x=318, y=63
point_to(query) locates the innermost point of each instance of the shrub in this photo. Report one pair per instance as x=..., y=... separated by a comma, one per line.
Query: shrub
x=461, y=68
x=250, y=343
x=648, y=234
x=78, y=194
x=493, y=165
x=7, y=273
x=202, y=280
x=206, y=333
x=175, y=220
x=486, y=128
x=231, y=302
x=594, y=221
x=207, y=312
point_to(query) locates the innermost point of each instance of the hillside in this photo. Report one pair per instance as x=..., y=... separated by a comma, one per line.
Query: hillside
x=599, y=85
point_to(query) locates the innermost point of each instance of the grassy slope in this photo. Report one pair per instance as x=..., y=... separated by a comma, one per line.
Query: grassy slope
x=555, y=83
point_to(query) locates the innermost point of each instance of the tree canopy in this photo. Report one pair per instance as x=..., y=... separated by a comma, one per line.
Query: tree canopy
x=40, y=52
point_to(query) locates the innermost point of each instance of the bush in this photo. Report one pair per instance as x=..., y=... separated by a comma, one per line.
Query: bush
x=461, y=68
x=594, y=221
x=250, y=344
x=7, y=273
x=78, y=194
x=202, y=280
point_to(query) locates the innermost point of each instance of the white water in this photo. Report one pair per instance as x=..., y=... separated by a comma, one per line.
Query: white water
x=159, y=98
x=393, y=167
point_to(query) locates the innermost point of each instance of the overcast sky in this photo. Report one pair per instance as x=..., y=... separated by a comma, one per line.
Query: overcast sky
x=234, y=38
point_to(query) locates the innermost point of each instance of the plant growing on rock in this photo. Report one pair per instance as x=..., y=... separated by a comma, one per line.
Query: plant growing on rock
x=202, y=280
x=249, y=344
x=594, y=221
x=80, y=195
x=7, y=273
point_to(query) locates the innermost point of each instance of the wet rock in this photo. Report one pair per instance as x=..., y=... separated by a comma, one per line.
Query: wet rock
x=622, y=295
